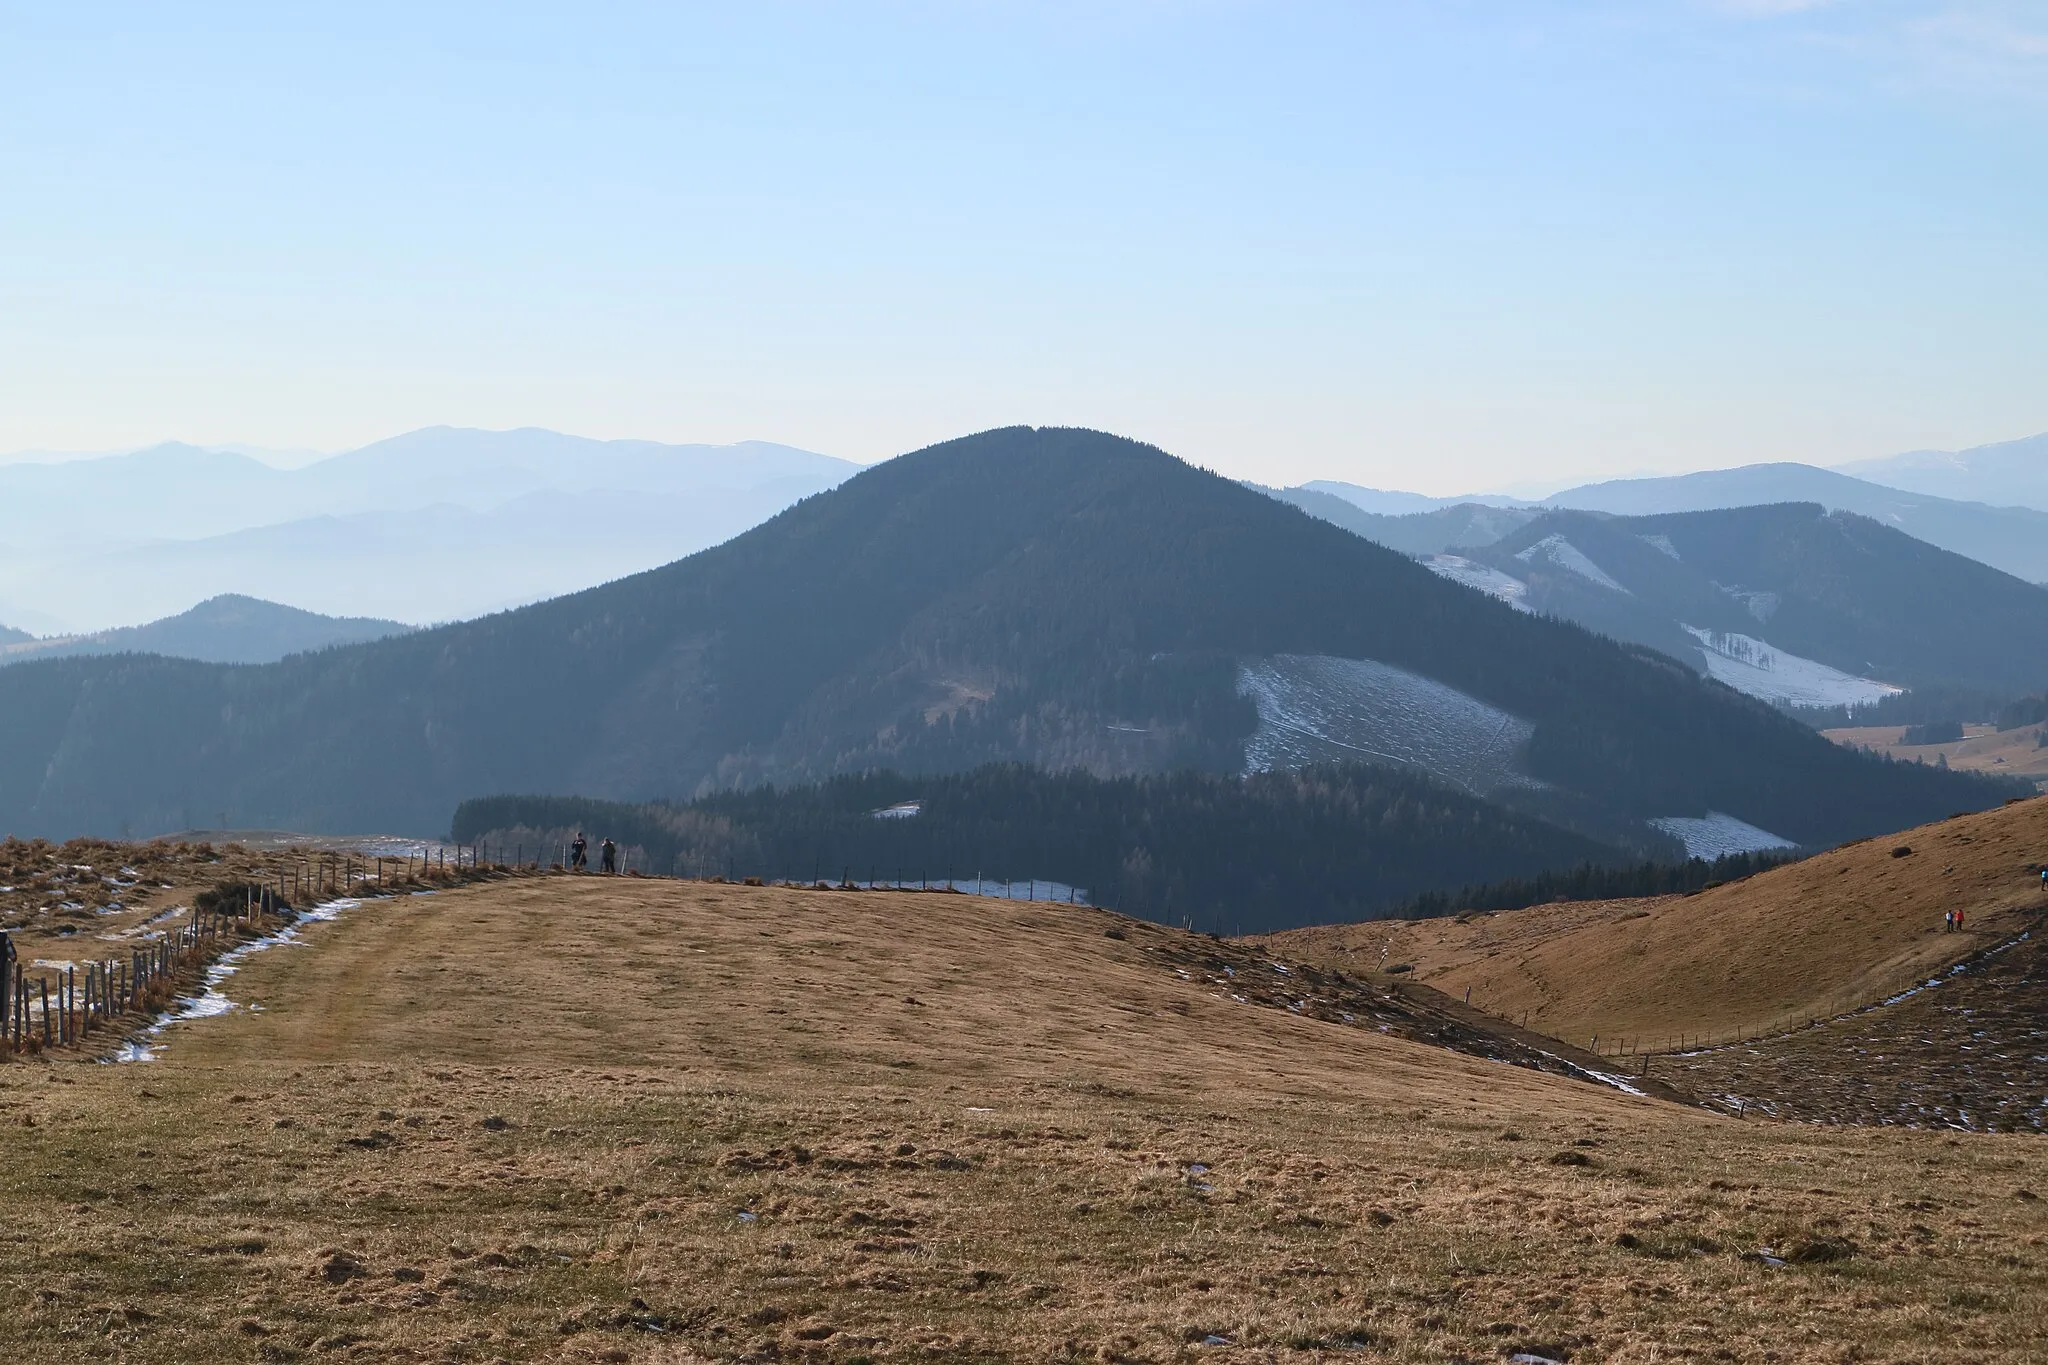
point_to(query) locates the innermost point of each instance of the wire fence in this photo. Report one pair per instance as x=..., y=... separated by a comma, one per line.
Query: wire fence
x=45, y=1007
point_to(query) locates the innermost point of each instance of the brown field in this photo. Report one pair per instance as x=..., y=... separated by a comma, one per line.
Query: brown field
x=1982, y=749
x=1804, y=941
x=558, y=1118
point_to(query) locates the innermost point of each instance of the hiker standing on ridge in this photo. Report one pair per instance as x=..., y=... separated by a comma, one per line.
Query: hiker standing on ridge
x=610, y=851
x=579, y=853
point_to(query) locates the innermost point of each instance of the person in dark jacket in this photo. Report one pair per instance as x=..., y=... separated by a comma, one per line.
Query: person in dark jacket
x=579, y=853
x=610, y=851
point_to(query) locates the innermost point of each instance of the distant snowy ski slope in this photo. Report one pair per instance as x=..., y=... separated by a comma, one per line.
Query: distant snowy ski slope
x=1750, y=665
x=1747, y=664
x=1571, y=559
x=1314, y=708
x=1485, y=578
x=1719, y=835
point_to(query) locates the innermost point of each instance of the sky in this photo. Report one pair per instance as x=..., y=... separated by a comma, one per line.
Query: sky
x=1442, y=245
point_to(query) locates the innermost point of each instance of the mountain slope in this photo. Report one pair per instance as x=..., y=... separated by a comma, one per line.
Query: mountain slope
x=229, y=629
x=2013, y=539
x=2008, y=474
x=1383, y=502
x=1057, y=597
x=1722, y=589
x=1810, y=938
x=1459, y=526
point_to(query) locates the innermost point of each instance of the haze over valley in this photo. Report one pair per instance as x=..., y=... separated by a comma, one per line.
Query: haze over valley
x=433, y=525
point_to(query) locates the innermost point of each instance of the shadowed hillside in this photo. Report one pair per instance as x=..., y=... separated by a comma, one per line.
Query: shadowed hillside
x=1058, y=597
x=1226, y=854
x=1858, y=596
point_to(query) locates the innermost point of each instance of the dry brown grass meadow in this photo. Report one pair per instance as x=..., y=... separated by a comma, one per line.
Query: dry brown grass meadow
x=1807, y=940
x=559, y=1118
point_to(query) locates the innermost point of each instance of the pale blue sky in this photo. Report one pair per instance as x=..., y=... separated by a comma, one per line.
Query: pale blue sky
x=1435, y=245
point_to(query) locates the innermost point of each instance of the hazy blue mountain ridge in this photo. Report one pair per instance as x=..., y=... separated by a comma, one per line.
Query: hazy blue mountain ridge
x=1834, y=587
x=432, y=525
x=2007, y=474
x=1938, y=508
x=229, y=629
x=1060, y=598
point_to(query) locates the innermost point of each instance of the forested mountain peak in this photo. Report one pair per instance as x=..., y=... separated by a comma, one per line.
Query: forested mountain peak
x=1052, y=596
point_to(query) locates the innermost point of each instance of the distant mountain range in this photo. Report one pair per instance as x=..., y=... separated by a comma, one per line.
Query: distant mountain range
x=433, y=525
x=2014, y=539
x=1052, y=597
x=229, y=629
x=1791, y=602
x=2009, y=474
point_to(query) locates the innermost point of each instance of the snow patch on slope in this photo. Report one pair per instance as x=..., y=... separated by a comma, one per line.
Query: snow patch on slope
x=1662, y=544
x=1314, y=708
x=1718, y=835
x=1750, y=665
x=1570, y=558
x=1472, y=574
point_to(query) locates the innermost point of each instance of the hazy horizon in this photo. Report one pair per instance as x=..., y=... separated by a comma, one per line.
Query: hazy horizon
x=1532, y=487
x=1435, y=247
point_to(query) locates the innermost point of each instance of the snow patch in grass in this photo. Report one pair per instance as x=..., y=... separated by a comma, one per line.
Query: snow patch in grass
x=1570, y=558
x=212, y=1002
x=1315, y=708
x=1753, y=666
x=1718, y=835
x=1473, y=574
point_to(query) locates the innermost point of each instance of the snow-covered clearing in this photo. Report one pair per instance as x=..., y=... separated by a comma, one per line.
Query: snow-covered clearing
x=1314, y=708
x=1718, y=835
x=1473, y=574
x=1570, y=558
x=1662, y=544
x=1750, y=665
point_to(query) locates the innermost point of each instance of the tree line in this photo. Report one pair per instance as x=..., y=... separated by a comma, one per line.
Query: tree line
x=1214, y=852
